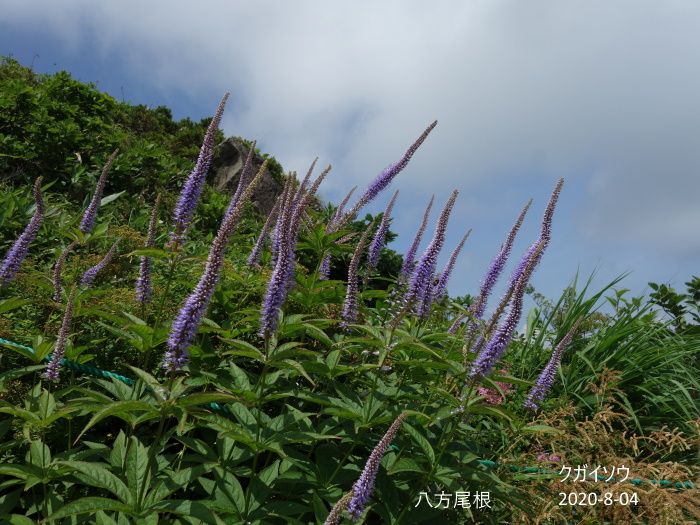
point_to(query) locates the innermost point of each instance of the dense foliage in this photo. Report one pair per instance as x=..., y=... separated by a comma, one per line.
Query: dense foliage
x=314, y=415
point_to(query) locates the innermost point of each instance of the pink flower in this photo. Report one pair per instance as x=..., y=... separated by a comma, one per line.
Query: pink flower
x=493, y=396
x=548, y=458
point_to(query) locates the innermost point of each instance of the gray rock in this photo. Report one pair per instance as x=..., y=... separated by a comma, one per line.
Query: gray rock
x=229, y=157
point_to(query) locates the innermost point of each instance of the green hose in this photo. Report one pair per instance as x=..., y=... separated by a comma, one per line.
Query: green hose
x=636, y=481
x=223, y=409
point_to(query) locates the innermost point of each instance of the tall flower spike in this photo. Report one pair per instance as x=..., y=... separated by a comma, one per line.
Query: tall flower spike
x=544, y=238
x=53, y=369
x=18, y=252
x=144, y=287
x=185, y=325
x=243, y=179
x=336, y=513
x=254, y=256
x=282, y=277
x=324, y=269
x=422, y=277
x=375, y=247
x=426, y=300
x=282, y=216
x=496, y=267
x=386, y=176
x=492, y=352
x=407, y=266
x=192, y=190
x=441, y=287
x=505, y=300
x=546, y=379
x=89, y=276
x=88, y=221
x=339, y=210
x=456, y=324
x=300, y=206
x=493, y=272
x=305, y=182
x=545, y=232
x=362, y=490
x=351, y=304
x=58, y=269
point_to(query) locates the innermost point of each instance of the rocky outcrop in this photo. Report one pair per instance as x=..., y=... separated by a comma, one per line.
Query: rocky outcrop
x=226, y=168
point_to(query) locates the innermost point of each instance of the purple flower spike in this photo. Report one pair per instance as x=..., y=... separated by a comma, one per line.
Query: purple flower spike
x=546, y=379
x=282, y=216
x=364, y=486
x=192, y=190
x=377, y=243
x=441, y=287
x=336, y=513
x=18, y=252
x=492, y=352
x=305, y=182
x=426, y=301
x=243, y=179
x=282, y=277
x=496, y=268
x=144, y=287
x=57, y=285
x=456, y=324
x=422, y=278
x=88, y=221
x=89, y=276
x=527, y=260
x=545, y=232
x=407, y=266
x=339, y=211
x=386, y=176
x=254, y=256
x=53, y=369
x=324, y=269
x=185, y=325
x=351, y=305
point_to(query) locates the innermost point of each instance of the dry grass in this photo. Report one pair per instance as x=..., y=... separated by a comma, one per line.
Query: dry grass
x=605, y=439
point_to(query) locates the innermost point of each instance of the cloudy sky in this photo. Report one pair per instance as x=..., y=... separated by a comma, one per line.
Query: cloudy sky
x=605, y=94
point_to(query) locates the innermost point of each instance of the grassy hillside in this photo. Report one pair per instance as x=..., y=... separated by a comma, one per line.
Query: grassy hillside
x=151, y=371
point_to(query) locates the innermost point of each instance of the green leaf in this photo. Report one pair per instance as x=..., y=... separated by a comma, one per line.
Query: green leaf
x=422, y=442
x=196, y=509
x=299, y=368
x=541, y=428
x=117, y=408
x=178, y=481
x=319, y=335
x=137, y=468
x=97, y=475
x=239, y=377
x=16, y=519
x=12, y=303
x=39, y=454
x=112, y=197
x=228, y=493
x=150, y=252
x=243, y=348
x=405, y=465
x=23, y=472
x=89, y=504
x=204, y=398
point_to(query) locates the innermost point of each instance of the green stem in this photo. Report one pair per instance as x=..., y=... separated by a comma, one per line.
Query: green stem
x=441, y=448
x=153, y=451
x=169, y=279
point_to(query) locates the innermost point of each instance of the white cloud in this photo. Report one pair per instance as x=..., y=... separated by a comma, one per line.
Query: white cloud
x=605, y=93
